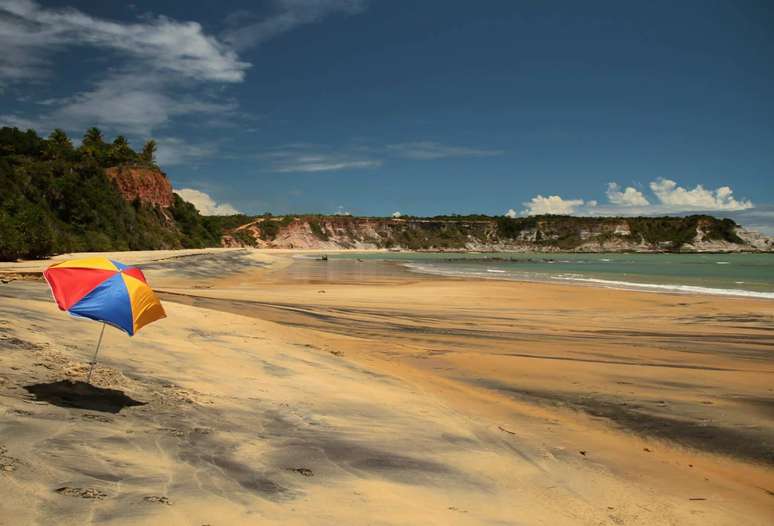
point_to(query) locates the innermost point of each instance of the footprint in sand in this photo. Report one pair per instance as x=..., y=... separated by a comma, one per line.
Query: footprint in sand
x=98, y=418
x=157, y=499
x=7, y=463
x=302, y=471
x=83, y=493
x=173, y=431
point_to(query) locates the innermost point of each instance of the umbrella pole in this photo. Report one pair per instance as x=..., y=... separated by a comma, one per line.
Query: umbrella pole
x=94, y=360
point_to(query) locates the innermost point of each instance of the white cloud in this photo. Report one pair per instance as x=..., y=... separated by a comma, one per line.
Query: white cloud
x=553, y=204
x=630, y=196
x=429, y=150
x=136, y=105
x=760, y=218
x=303, y=157
x=396, y=215
x=127, y=103
x=248, y=30
x=511, y=213
x=29, y=33
x=673, y=196
x=157, y=64
x=205, y=204
x=15, y=121
x=307, y=158
x=174, y=151
x=323, y=164
x=669, y=198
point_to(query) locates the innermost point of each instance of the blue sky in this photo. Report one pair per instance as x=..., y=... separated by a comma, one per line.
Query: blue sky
x=431, y=107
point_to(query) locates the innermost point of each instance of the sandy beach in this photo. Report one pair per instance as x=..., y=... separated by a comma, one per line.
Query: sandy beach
x=274, y=393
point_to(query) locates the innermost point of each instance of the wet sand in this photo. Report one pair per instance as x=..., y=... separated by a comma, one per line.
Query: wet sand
x=282, y=392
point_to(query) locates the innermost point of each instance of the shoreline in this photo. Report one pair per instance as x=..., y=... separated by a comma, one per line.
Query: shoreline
x=655, y=288
x=277, y=259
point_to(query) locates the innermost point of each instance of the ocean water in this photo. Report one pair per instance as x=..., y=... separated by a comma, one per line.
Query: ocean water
x=749, y=275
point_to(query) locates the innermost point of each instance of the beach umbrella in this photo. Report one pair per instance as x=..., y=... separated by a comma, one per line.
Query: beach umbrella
x=105, y=290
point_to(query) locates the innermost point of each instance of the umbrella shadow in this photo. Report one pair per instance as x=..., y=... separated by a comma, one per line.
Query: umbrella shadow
x=81, y=395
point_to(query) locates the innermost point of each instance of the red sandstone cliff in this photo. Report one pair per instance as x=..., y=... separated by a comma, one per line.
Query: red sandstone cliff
x=150, y=185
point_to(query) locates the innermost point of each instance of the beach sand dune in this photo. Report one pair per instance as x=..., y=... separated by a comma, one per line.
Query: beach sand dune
x=264, y=399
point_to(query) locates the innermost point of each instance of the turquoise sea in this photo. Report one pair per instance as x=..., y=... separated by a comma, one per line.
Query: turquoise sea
x=749, y=275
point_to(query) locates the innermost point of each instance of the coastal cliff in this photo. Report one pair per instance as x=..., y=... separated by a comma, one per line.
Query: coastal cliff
x=102, y=196
x=99, y=196
x=698, y=233
x=149, y=185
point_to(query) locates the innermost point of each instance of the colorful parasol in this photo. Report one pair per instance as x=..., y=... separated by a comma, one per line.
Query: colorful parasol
x=104, y=290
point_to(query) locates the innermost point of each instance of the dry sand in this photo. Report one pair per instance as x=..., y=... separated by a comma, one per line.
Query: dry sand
x=269, y=398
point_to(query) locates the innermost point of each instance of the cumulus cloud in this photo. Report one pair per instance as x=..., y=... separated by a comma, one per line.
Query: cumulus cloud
x=511, y=213
x=396, y=215
x=430, y=150
x=668, y=198
x=552, y=204
x=699, y=198
x=205, y=204
x=248, y=30
x=630, y=196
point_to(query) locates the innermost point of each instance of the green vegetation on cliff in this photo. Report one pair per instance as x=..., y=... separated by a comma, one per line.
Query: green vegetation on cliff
x=667, y=233
x=56, y=198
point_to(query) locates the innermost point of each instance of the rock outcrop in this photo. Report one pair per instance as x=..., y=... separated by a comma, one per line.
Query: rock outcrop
x=149, y=185
x=756, y=240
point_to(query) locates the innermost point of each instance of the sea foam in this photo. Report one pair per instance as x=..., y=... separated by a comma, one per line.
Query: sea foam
x=657, y=287
x=579, y=278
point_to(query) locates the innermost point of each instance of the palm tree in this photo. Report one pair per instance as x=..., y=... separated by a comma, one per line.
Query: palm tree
x=93, y=146
x=58, y=145
x=93, y=136
x=121, y=152
x=149, y=152
x=60, y=138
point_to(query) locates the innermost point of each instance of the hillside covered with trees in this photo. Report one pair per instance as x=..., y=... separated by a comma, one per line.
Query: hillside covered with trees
x=56, y=198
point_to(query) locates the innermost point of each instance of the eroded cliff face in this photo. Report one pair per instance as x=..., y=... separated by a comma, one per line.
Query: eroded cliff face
x=150, y=185
x=542, y=234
